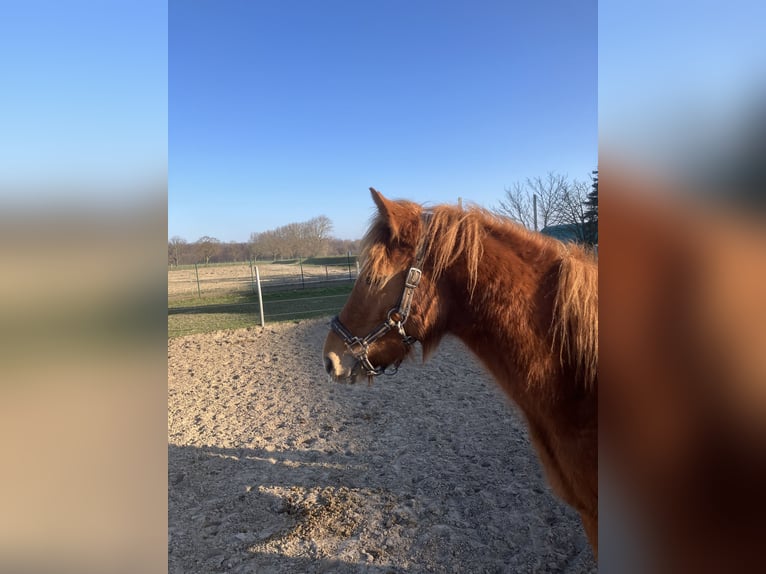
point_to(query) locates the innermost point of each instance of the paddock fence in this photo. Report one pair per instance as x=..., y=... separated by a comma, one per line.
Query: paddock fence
x=205, y=280
x=205, y=298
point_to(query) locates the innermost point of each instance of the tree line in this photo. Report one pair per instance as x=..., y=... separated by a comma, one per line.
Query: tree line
x=538, y=203
x=310, y=238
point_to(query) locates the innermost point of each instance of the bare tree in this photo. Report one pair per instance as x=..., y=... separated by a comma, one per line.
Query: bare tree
x=316, y=235
x=572, y=208
x=518, y=203
x=517, y=206
x=265, y=245
x=550, y=193
x=176, y=247
x=259, y=246
x=291, y=236
x=207, y=247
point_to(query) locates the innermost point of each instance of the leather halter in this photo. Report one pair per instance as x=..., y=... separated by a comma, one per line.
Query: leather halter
x=395, y=318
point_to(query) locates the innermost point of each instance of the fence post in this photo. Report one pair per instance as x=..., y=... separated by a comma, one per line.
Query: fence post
x=199, y=293
x=303, y=283
x=349, y=265
x=252, y=276
x=357, y=268
x=326, y=273
x=260, y=296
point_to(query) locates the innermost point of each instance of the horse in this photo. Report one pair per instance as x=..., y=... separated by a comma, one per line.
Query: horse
x=525, y=304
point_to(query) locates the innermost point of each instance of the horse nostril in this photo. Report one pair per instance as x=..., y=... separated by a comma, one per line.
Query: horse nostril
x=328, y=365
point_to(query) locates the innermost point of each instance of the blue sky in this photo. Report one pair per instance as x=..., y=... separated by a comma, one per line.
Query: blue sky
x=83, y=95
x=280, y=111
x=679, y=80
x=276, y=111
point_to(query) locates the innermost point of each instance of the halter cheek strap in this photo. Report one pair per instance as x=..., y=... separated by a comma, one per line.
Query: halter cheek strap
x=395, y=318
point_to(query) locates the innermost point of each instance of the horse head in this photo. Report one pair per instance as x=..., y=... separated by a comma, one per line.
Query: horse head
x=384, y=314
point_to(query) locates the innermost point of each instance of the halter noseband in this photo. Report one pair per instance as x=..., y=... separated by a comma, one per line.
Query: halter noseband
x=359, y=347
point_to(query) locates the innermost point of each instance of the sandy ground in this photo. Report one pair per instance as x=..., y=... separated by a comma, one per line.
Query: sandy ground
x=272, y=468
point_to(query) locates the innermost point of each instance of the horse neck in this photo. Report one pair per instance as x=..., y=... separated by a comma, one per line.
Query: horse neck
x=506, y=319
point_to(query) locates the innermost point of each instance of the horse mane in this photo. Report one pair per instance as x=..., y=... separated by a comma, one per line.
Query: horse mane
x=575, y=315
x=456, y=232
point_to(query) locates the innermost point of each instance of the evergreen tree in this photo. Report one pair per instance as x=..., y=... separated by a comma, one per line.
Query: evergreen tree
x=591, y=210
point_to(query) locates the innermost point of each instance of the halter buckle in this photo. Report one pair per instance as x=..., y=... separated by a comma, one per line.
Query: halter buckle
x=413, y=278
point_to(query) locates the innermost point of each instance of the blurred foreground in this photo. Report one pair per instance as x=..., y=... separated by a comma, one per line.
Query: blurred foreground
x=683, y=371
x=83, y=387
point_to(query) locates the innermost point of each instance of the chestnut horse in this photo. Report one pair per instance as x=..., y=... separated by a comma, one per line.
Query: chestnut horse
x=525, y=304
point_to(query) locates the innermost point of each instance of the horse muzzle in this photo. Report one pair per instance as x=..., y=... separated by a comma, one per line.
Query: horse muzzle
x=342, y=368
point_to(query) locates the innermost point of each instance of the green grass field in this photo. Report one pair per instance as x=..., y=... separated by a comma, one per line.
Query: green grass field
x=234, y=311
x=338, y=260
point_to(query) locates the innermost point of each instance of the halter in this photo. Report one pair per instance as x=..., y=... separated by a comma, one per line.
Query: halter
x=395, y=318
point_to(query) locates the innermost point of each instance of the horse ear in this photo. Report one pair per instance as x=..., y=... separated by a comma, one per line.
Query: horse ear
x=388, y=211
x=380, y=201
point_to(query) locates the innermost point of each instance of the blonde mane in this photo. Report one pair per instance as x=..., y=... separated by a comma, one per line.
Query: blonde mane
x=575, y=316
x=455, y=232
